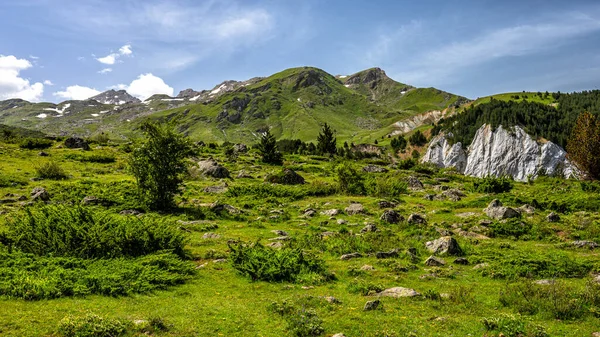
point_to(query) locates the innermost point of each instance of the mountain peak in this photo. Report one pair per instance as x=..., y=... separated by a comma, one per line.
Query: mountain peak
x=367, y=76
x=115, y=97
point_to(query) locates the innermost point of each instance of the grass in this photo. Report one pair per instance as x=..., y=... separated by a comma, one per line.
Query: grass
x=208, y=295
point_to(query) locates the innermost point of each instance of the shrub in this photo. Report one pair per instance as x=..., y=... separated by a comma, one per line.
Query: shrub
x=51, y=170
x=305, y=323
x=491, y=184
x=35, y=143
x=406, y=164
x=261, y=263
x=286, y=177
x=159, y=165
x=360, y=286
x=349, y=179
x=417, y=139
x=510, y=228
x=87, y=233
x=91, y=325
x=510, y=325
x=513, y=265
x=385, y=186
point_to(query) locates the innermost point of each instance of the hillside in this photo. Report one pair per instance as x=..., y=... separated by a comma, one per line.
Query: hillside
x=292, y=103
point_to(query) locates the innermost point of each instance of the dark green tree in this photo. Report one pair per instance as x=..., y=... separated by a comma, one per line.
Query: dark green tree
x=158, y=164
x=399, y=144
x=268, y=149
x=417, y=139
x=326, y=142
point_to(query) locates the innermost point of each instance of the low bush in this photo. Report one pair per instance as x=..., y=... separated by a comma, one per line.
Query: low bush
x=51, y=170
x=90, y=233
x=350, y=180
x=30, y=277
x=514, y=265
x=385, y=186
x=10, y=181
x=514, y=228
x=261, y=263
x=91, y=325
x=491, y=184
x=360, y=286
x=35, y=143
x=302, y=320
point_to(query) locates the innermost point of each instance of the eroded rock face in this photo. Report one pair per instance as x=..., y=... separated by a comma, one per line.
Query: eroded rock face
x=500, y=152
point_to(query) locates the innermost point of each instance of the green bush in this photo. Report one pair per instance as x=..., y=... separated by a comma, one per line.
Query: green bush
x=510, y=228
x=360, y=286
x=261, y=263
x=514, y=265
x=509, y=325
x=305, y=323
x=491, y=184
x=35, y=143
x=350, y=180
x=89, y=233
x=385, y=186
x=406, y=164
x=51, y=170
x=91, y=325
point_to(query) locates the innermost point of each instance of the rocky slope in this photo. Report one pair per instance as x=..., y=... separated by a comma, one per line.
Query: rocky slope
x=115, y=97
x=500, y=152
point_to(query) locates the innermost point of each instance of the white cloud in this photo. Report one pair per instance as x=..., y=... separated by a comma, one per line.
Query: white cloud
x=105, y=71
x=76, y=92
x=126, y=50
x=147, y=85
x=48, y=82
x=14, y=86
x=109, y=59
x=34, y=57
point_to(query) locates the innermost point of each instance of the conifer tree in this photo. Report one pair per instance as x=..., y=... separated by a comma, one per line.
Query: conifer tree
x=326, y=141
x=268, y=149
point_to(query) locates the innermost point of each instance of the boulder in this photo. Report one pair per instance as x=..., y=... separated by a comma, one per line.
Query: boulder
x=286, y=177
x=390, y=216
x=331, y=212
x=429, y=197
x=453, y=194
x=40, y=193
x=495, y=210
x=461, y=261
x=445, y=245
x=76, y=143
x=211, y=168
x=350, y=256
x=355, y=208
x=369, y=228
x=433, y=261
x=527, y=209
x=398, y=292
x=386, y=255
x=309, y=213
x=341, y=222
x=553, y=217
x=372, y=305
x=374, y=169
x=240, y=148
x=416, y=219
x=585, y=244
x=414, y=183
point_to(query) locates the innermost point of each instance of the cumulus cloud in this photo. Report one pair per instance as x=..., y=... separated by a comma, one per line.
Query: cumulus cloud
x=14, y=86
x=105, y=71
x=112, y=58
x=147, y=85
x=76, y=92
x=48, y=82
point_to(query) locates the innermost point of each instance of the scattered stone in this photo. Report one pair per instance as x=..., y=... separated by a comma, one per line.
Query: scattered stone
x=369, y=228
x=130, y=212
x=595, y=334
x=387, y=255
x=417, y=219
x=279, y=232
x=392, y=217
x=466, y=214
x=217, y=207
x=216, y=189
x=443, y=231
x=442, y=180
x=481, y=266
x=43, y=154
x=240, y=148
x=77, y=143
x=210, y=235
x=220, y=261
x=341, y=222
x=309, y=213
x=398, y=292
x=453, y=194
x=461, y=261
x=339, y=335
x=441, y=188
x=585, y=244
x=287, y=177
x=374, y=169
x=326, y=234
x=92, y=200
x=280, y=238
x=355, y=208
x=386, y=204
x=211, y=168
x=40, y=193
x=428, y=276
x=553, y=217
x=544, y=282
x=372, y=305
x=527, y=209
x=433, y=261
x=350, y=256
x=429, y=197
x=495, y=210
x=414, y=183
x=243, y=175
x=332, y=300
x=275, y=245
x=331, y=212
x=367, y=267
x=471, y=235
x=445, y=245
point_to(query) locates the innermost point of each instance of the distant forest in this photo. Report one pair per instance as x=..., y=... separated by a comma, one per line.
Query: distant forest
x=539, y=120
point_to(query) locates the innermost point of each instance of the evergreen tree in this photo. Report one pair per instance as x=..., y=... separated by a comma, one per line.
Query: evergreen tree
x=584, y=145
x=268, y=149
x=417, y=139
x=326, y=142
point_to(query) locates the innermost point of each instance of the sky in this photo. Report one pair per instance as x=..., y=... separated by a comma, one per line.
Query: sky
x=54, y=50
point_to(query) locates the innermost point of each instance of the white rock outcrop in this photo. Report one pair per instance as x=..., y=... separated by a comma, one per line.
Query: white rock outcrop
x=500, y=152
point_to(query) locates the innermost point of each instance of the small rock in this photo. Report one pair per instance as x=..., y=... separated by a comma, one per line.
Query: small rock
x=374, y=169
x=443, y=231
x=354, y=209
x=328, y=233
x=414, y=183
x=331, y=212
x=433, y=261
x=307, y=287
x=367, y=267
x=417, y=219
x=441, y=188
x=339, y=335
x=372, y=305
x=341, y=222
x=350, y=256
x=130, y=212
x=461, y=261
x=369, y=228
x=544, y=282
x=240, y=148
x=466, y=214
x=527, y=209
x=210, y=235
x=481, y=266
x=446, y=245
x=309, y=213
x=279, y=232
x=332, y=300
x=398, y=292
x=276, y=245
x=220, y=261
x=43, y=154
x=495, y=210
x=216, y=189
x=91, y=200
x=243, y=175
x=585, y=244
x=211, y=168
x=76, y=143
x=387, y=255
x=428, y=276
x=40, y=193
x=429, y=197
x=386, y=204
x=217, y=207
x=390, y=216
x=471, y=235
x=553, y=217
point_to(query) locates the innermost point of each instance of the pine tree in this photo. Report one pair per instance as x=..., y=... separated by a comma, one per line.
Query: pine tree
x=326, y=142
x=584, y=145
x=268, y=149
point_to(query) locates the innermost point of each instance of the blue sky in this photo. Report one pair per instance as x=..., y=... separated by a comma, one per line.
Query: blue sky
x=52, y=50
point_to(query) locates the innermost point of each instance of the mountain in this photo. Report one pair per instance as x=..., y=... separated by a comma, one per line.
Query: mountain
x=119, y=97
x=293, y=103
